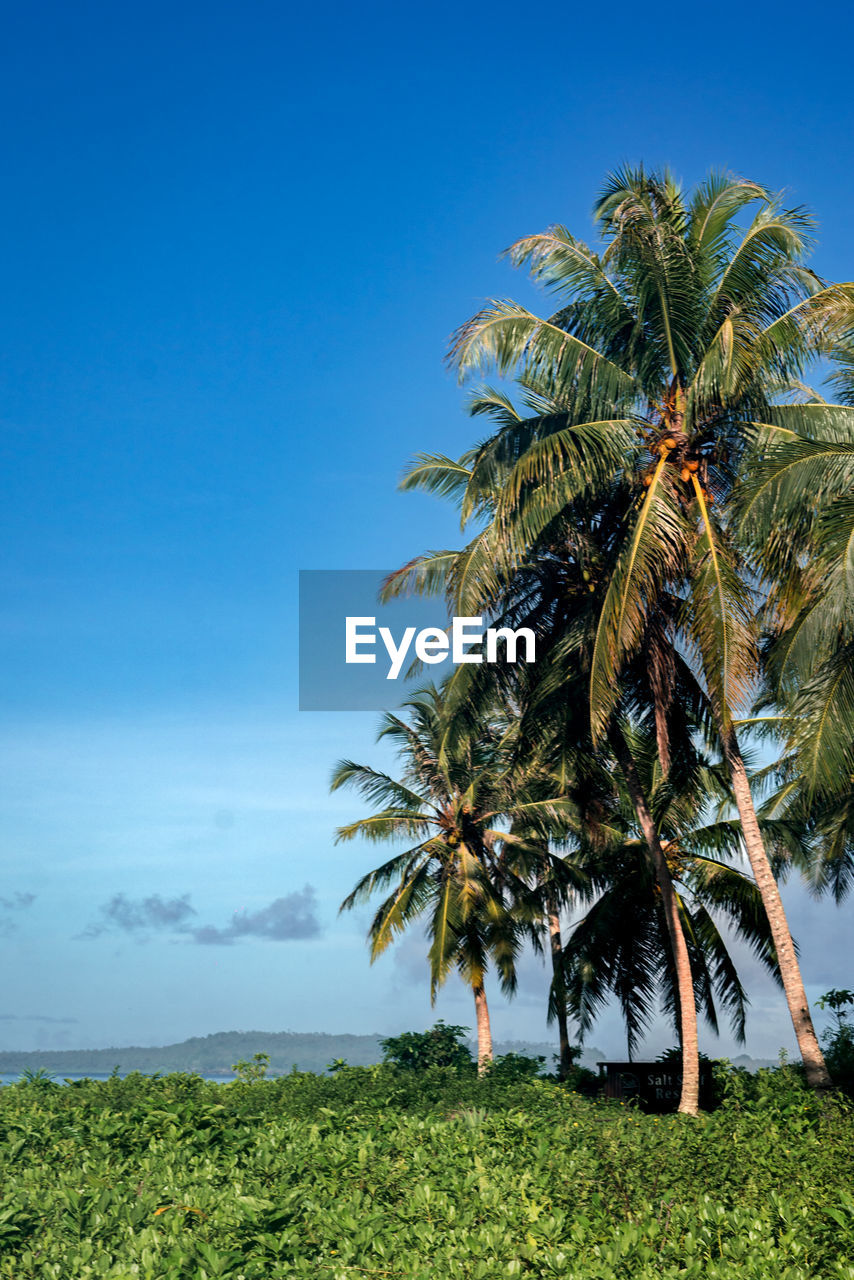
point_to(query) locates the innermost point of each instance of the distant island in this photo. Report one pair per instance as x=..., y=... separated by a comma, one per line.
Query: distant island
x=214, y=1055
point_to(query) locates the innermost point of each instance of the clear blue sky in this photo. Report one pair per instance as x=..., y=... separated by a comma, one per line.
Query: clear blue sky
x=234, y=242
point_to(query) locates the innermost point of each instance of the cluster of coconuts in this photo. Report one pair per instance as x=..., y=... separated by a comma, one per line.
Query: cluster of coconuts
x=690, y=466
x=454, y=837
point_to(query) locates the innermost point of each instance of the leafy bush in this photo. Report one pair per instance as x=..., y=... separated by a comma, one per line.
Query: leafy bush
x=251, y=1069
x=839, y=1056
x=441, y=1046
x=516, y=1066
x=838, y=1040
x=386, y=1171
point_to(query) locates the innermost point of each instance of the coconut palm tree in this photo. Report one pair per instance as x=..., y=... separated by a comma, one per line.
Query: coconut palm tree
x=554, y=592
x=673, y=356
x=466, y=873
x=620, y=947
x=554, y=878
x=804, y=485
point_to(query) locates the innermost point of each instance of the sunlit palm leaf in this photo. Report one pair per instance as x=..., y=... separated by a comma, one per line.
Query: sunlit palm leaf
x=654, y=551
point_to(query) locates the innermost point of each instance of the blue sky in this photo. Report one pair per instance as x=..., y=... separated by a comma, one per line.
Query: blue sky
x=235, y=241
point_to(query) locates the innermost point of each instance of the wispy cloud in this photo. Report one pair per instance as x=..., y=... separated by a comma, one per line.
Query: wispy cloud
x=293, y=916
x=284, y=919
x=33, y=1017
x=10, y=908
x=141, y=917
x=20, y=902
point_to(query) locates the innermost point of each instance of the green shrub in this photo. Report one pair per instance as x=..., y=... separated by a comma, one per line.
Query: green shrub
x=516, y=1066
x=248, y=1070
x=390, y=1172
x=441, y=1046
x=838, y=1040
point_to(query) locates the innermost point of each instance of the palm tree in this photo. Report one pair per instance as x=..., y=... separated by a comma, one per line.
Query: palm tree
x=554, y=879
x=804, y=485
x=665, y=366
x=553, y=591
x=621, y=948
x=466, y=873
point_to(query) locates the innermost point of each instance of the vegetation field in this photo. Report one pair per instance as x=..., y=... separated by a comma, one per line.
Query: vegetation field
x=383, y=1172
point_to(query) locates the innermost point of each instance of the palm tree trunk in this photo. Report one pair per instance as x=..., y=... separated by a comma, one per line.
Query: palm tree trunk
x=790, y=971
x=689, y=1102
x=560, y=996
x=484, y=1032
x=660, y=669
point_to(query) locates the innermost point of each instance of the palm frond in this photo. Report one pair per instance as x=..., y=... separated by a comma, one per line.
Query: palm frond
x=654, y=550
x=508, y=338
x=721, y=612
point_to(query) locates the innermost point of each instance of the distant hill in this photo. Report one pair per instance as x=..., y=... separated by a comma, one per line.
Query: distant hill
x=754, y=1064
x=213, y=1055
x=209, y=1055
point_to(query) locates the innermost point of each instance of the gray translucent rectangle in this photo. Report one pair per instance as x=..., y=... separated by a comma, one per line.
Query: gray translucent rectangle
x=327, y=682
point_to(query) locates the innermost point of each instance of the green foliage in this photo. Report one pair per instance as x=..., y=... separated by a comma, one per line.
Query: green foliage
x=839, y=1055
x=251, y=1069
x=441, y=1046
x=838, y=1040
x=380, y=1171
x=38, y=1077
x=516, y=1066
x=838, y=1001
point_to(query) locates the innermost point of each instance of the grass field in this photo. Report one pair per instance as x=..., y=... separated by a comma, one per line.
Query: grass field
x=377, y=1172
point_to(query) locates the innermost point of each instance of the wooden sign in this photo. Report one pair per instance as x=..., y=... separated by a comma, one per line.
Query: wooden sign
x=655, y=1086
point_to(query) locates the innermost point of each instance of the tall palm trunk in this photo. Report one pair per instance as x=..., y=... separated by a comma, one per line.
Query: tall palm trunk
x=484, y=1032
x=790, y=971
x=689, y=1102
x=559, y=988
